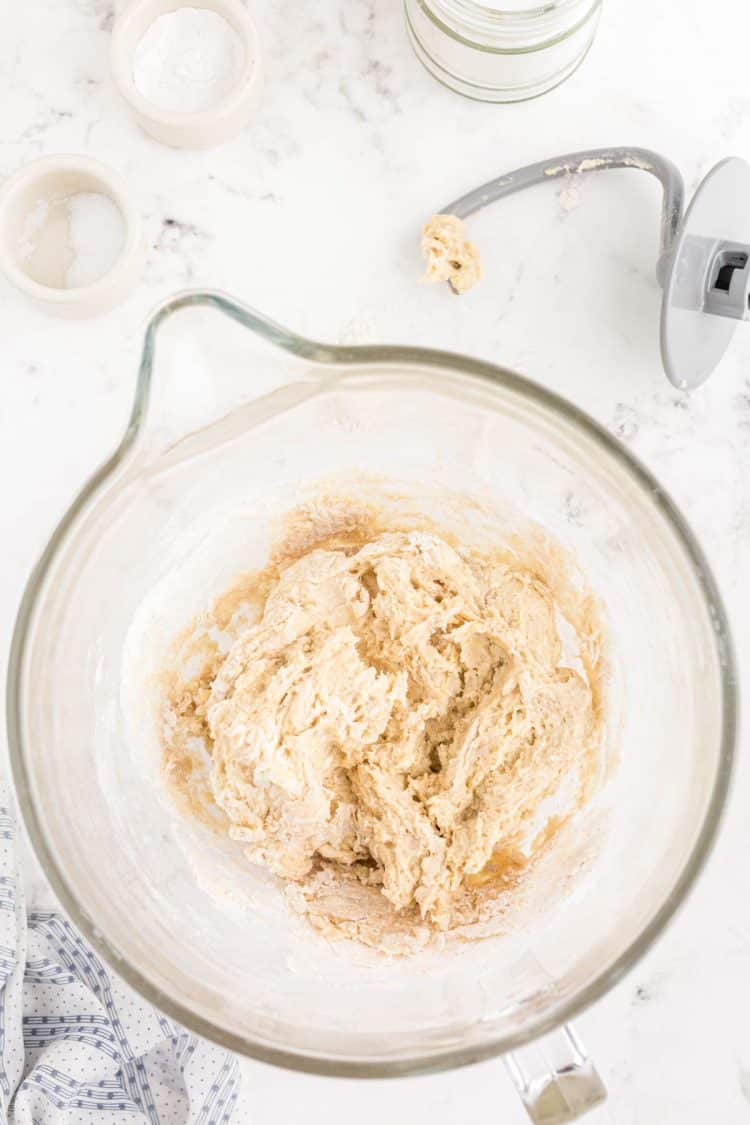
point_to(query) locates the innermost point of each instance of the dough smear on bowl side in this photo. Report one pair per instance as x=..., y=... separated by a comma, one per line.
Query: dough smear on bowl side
x=380, y=716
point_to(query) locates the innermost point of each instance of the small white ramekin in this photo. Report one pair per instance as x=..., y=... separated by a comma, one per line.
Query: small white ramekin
x=53, y=177
x=204, y=128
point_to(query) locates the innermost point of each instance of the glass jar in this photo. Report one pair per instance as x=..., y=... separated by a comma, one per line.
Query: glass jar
x=502, y=50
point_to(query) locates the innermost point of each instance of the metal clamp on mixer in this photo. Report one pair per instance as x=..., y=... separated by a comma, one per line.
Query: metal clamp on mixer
x=704, y=260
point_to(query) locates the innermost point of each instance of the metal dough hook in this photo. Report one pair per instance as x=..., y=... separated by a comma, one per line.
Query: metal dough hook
x=704, y=260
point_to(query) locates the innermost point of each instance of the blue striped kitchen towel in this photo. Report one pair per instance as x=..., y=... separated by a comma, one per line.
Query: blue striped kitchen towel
x=77, y=1047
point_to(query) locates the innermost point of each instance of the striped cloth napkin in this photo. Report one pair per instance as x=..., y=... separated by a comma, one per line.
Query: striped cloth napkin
x=77, y=1047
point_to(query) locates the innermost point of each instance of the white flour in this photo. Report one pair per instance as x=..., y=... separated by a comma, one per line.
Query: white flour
x=187, y=61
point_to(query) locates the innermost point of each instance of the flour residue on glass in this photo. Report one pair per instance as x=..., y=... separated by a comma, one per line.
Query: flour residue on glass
x=188, y=60
x=69, y=241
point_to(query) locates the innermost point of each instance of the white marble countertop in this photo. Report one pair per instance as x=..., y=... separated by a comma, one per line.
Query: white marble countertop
x=313, y=215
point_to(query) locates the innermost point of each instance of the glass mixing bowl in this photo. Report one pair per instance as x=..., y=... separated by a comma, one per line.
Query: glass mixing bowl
x=184, y=503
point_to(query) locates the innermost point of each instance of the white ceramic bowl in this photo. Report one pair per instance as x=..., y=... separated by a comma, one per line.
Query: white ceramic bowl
x=55, y=177
x=203, y=128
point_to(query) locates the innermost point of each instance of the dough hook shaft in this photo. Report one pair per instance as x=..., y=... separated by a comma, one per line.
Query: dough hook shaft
x=704, y=260
x=590, y=160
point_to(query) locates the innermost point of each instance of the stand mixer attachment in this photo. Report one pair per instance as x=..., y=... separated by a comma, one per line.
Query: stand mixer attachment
x=704, y=259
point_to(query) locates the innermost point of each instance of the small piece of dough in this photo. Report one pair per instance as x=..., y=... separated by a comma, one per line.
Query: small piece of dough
x=449, y=254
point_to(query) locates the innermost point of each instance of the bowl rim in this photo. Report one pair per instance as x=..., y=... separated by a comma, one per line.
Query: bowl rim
x=491, y=375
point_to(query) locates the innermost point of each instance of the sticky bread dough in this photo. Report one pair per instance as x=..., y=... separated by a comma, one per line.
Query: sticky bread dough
x=448, y=253
x=392, y=721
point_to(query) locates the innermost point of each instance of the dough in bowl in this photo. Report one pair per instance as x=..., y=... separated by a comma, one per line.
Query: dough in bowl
x=382, y=713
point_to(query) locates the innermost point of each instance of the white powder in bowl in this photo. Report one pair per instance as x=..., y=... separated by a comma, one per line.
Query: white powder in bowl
x=68, y=241
x=97, y=234
x=188, y=60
